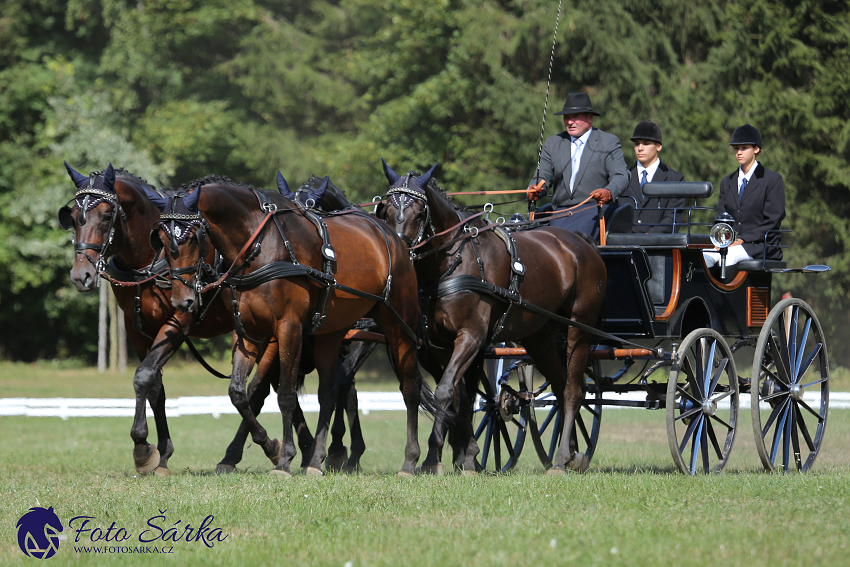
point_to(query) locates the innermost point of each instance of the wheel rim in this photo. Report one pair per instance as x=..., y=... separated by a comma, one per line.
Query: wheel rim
x=702, y=403
x=790, y=393
x=500, y=418
x=546, y=421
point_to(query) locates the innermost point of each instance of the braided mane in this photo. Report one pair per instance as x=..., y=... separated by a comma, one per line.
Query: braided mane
x=210, y=180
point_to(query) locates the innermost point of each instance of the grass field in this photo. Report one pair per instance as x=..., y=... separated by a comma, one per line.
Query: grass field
x=631, y=508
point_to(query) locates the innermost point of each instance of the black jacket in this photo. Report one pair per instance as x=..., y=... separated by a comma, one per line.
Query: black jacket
x=762, y=208
x=653, y=212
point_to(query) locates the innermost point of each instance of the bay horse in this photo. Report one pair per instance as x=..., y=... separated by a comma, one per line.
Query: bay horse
x=112, y=217
x=472, y=280
x=294, y=274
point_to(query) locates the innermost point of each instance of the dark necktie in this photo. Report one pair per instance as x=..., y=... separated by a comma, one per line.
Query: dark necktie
x=741, y=190
x=642, y=179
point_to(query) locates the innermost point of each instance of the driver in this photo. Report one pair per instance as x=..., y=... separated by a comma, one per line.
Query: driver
x=755, y=197
x=578, y=163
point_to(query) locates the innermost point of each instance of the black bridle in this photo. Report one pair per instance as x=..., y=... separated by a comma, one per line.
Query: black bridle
x=179, y=227
x=85, y=200
x=403, y=197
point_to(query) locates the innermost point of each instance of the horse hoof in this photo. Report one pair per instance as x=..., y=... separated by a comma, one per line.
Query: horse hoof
x=336, y=461
x=555, y=472
x=280, y=473
x=162, y=472
x=432, y=469
x=313, y=471
x=224, y=468
x=149, y=464
x=275, y=459
x=469, y=473
x=579, y=463
x=351, y=469
x=405, y=474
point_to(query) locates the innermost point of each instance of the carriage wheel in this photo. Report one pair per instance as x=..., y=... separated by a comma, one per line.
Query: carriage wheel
x=500, y=419
x=792, y=391
x=702, y=403
x=547, y=419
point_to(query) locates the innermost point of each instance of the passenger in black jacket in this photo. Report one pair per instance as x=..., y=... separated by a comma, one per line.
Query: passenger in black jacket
x=652, y=215
x=755, y=197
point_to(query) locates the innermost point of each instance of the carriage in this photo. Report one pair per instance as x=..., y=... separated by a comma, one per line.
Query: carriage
x=667, y=314
x=665, y=311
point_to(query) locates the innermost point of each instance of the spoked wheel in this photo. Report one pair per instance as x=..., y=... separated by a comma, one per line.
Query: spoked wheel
x=791, y=398
x=500, y=419
x=547, y=419
x=702, y=403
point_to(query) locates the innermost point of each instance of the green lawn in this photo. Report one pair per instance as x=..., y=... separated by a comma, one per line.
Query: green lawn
x=631, y=508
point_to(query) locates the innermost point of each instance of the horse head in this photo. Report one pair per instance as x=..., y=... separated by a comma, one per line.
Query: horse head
x=92, y=217
x=181, y=233
x=405, y=208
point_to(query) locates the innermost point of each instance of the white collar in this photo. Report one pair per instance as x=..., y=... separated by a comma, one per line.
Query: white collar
x=650, y=171
x=583, y=137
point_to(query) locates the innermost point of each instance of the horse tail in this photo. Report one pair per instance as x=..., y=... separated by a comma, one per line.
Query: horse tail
x=427, y=400
x=588, y=239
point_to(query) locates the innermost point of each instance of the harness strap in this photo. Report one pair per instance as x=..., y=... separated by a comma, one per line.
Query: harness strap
x=468, y=282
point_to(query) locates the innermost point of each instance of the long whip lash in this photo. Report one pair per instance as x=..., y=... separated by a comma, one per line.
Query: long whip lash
x=548, y=82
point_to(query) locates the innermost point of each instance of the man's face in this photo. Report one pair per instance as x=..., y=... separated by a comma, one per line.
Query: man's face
x=646, y=151
x=577, y=124
x=745, y=154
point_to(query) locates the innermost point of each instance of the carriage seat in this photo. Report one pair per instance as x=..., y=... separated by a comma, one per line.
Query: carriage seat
x=620, y=233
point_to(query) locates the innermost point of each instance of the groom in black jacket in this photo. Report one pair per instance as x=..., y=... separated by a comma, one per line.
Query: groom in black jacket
x=652, y=215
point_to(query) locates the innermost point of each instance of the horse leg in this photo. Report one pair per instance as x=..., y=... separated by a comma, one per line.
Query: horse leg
x=289, y=340
x=147, y=384
x=244, y=356
x=337, y=452
x=327, y=365
x=258, y=390
x=565, y=375
x=358, y=352
x=433, y=460
x=462, y=436
x=447, y=395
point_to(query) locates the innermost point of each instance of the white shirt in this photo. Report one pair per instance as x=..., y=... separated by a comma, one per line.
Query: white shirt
x=747, y=176
x=576, y=151
x=650, y=171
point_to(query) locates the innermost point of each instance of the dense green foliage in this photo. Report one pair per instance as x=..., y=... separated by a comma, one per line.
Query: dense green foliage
x=173, y=90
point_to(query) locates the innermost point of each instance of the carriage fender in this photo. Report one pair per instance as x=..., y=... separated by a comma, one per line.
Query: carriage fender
x=692, y=313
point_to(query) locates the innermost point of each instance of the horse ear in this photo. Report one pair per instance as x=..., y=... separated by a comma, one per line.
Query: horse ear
x=423, y=180
x=392, y=176
x=158, y=200
x=283, y=186
x=319, y=192
x=191, y=200
x=109, y=178
x=78, y=178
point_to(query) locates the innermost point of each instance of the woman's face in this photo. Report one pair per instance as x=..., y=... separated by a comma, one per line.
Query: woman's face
x=746, y=155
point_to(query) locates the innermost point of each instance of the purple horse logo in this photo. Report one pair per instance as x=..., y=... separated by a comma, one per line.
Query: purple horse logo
x=38, y=533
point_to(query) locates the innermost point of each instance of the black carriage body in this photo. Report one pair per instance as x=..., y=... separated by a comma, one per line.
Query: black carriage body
x=665, y=291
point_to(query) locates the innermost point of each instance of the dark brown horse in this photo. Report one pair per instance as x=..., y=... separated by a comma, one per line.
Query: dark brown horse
x=473, y=285
x=290, y=277
x=112, y=217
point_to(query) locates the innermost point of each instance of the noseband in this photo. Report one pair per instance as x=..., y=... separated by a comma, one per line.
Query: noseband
x=403, y=197
x=85, y=200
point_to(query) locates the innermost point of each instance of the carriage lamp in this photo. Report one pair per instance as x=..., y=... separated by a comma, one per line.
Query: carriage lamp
x=722, y=235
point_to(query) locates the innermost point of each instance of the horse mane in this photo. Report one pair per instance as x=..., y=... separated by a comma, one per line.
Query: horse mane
x=211, y=179
x=123, y=172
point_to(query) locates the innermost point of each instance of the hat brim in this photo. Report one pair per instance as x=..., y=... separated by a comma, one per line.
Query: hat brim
x=578, y=111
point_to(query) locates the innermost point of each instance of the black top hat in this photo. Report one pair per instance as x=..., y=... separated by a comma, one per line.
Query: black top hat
x=647, y=130
x=746, y=135
x=577, y=103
